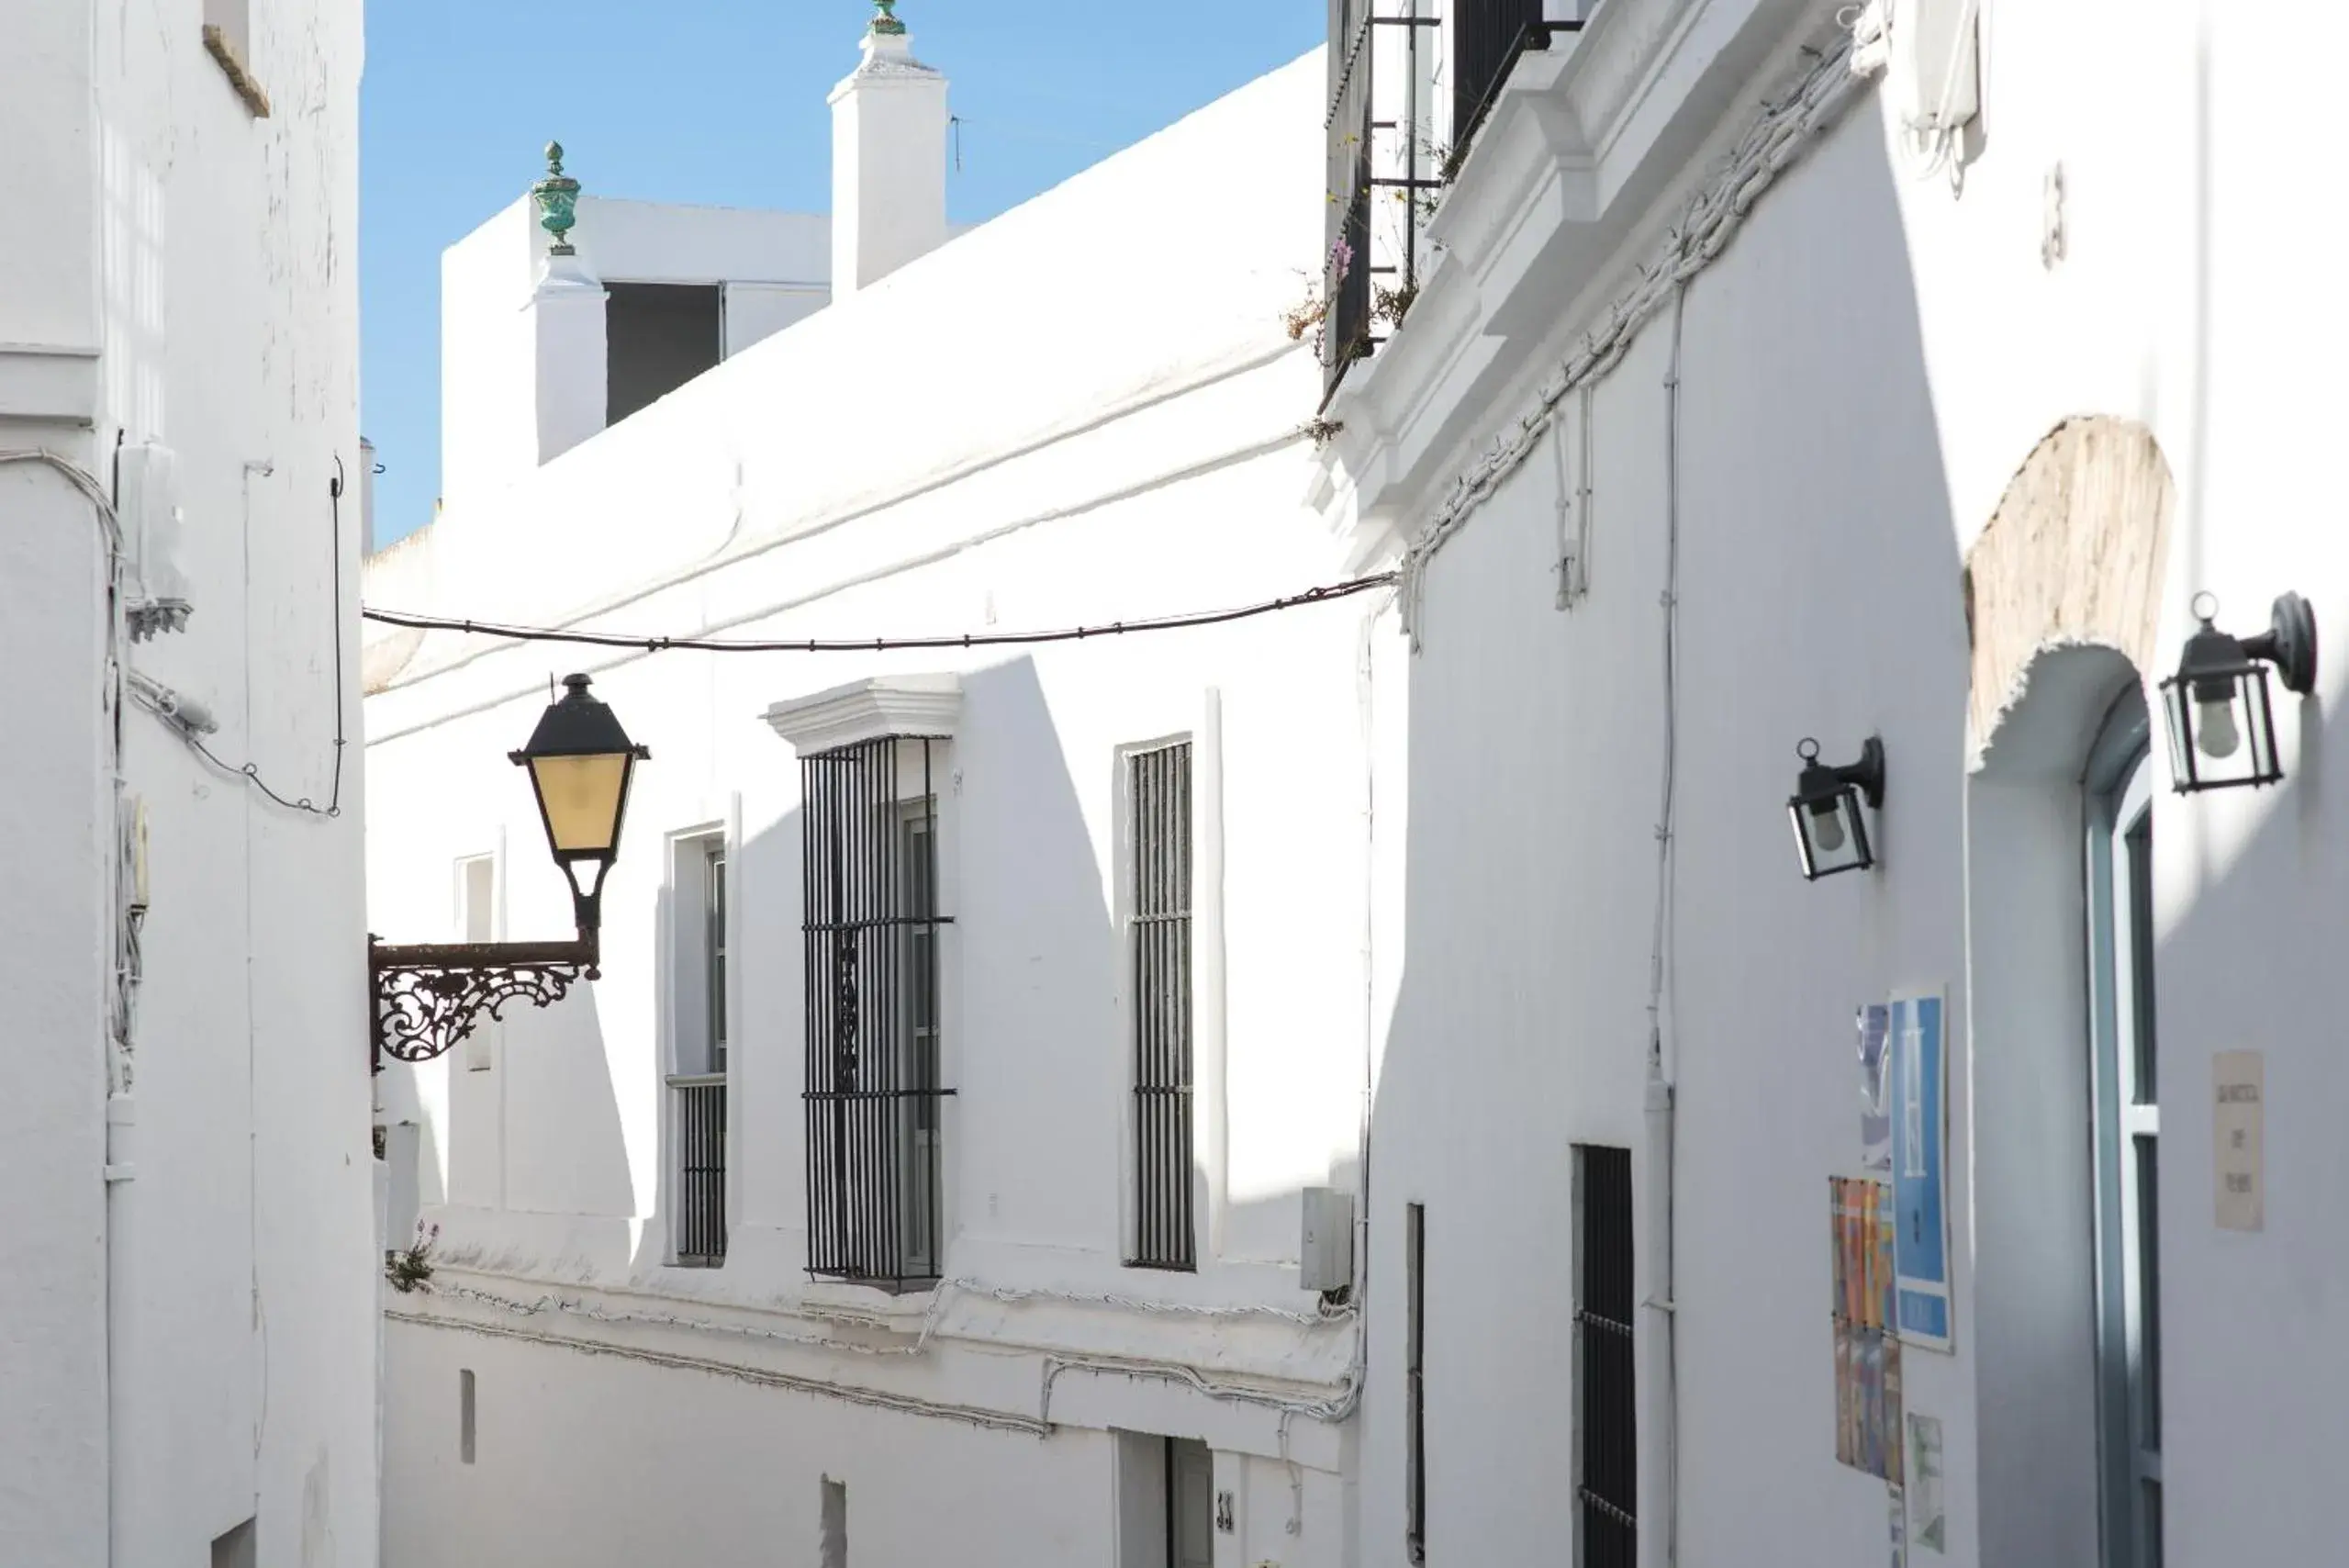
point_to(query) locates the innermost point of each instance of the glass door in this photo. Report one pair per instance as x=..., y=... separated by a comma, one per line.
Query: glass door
x=2128, y=1112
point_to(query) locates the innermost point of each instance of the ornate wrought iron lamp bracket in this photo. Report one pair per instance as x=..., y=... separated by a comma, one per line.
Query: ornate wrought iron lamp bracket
x=429, y=995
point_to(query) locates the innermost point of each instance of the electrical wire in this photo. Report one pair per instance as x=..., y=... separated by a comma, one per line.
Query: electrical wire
x=120, y=1002
x=165, y=703
x=1787, y=129
x=660, y=645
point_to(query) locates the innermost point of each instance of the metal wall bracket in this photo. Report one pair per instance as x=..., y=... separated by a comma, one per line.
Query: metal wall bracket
x=428, y=996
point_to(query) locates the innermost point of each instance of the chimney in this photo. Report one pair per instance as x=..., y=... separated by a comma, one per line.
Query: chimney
x=888, y=159
x=367, y=497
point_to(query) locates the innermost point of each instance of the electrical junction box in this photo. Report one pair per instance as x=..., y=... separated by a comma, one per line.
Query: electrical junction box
x=147, y=506
x=1325, y=1253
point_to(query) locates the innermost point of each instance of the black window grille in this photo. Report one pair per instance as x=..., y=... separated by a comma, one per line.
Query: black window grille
x=1488, y=37
x=1346, y=226
x=1158, y=785
x=1606, y=1418
x=1414, y=1384
x=701, y=1170
x=869, y=813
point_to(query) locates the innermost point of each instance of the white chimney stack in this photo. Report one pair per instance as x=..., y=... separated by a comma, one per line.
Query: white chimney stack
x=888, y=159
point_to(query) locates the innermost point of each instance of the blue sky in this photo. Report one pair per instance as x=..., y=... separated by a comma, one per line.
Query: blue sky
x=722, y=101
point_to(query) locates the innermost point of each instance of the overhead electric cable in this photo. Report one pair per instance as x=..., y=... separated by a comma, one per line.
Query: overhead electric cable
x=655, y=644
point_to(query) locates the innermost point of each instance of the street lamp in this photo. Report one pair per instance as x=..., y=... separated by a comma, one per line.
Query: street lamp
x=428, y=996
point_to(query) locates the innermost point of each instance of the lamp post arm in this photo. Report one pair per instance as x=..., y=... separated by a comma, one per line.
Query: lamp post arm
x=427, y=996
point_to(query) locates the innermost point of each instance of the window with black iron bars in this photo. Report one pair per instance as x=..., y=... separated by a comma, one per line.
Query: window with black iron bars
x=1158, y=791
x=1607, y=1425
x=701, y=1093
x=869, y=818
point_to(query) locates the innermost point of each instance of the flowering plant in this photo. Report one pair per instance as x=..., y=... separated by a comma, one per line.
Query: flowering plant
x=410, y=1268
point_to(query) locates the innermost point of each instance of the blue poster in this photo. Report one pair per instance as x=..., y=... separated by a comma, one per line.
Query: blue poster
x=1920, y=1169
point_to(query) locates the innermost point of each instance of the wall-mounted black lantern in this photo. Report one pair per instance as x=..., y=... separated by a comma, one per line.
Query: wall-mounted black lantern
x=2222, y=731
x=1830, y=829
x=428, y=996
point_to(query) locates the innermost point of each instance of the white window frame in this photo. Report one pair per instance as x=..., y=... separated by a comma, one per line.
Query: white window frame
x=924, y=706
x=484, y=1044
x=1209, y=1120
x=686, y=1047
x=2119, y=799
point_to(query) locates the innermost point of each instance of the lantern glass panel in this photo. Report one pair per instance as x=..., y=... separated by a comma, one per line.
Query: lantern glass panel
x=1829, y=833
x=2258, y=727
x=2181, y=727
x=2223, y=732
x=581, y=797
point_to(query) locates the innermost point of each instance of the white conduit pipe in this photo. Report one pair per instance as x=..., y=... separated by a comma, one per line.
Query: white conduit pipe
x=1774, y=143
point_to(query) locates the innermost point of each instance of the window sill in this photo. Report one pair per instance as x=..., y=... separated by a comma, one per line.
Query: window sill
x=241, y=79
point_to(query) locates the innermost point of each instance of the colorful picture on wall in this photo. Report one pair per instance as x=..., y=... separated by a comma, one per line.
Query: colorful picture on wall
x=1875, y=1103
x=1919, y=1164
x=1867, y=1354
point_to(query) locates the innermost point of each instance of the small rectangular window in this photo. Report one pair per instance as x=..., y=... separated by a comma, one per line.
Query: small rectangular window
x=832, y=1547
x=869, y=817
x=235, y=1548
x=464, y=1416
x=1158, y=943
x=1414, y=1385
x=657, y=336
x=1606, y=1427
x=697, y=1081
x=227, y=38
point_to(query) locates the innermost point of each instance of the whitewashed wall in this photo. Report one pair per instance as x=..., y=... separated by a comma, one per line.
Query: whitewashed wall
x=191, y=1343
x=499, y=351
x=1039, y=425
x=1861, y=371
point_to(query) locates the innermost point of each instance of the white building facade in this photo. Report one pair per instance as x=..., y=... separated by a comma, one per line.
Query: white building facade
x=188, y=1323
x=928, y=1173
x=1768, y=371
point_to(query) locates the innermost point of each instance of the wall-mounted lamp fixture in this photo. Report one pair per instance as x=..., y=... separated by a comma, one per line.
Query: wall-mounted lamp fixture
x=2223, y=732
x=1830, y=829
x=428, y=996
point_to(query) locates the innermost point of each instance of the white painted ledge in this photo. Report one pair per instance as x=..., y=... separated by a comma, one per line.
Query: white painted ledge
x=926, y=705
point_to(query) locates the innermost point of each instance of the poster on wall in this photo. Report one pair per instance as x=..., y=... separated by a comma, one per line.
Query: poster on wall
x=1875, y=1109
x=1929, y=1522
x=1867, y=1353
x=1919, y=1167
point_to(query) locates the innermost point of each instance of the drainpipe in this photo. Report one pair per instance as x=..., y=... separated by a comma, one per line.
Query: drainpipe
x=1660, y=1541
x=122, y=1148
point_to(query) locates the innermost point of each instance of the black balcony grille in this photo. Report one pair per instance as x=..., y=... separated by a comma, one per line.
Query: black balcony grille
x=701, y=1170
x=873, y=1092
x=1607, y=1417
x=1158, y=785
x=1487, y=37
x=1345, y=224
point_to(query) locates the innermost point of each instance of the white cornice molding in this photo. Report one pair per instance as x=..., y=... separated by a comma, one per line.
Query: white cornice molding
x=869, y=711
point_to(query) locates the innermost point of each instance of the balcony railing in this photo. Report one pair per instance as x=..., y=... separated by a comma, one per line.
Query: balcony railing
x=1346, y=227
x=1410, y=82
x=1488, y=37
x=702, y=1168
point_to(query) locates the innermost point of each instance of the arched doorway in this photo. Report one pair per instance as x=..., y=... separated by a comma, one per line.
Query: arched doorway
x=2063, y=588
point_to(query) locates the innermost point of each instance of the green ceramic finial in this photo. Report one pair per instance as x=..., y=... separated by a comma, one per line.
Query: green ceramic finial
x=885, y=20
x=558, y=200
